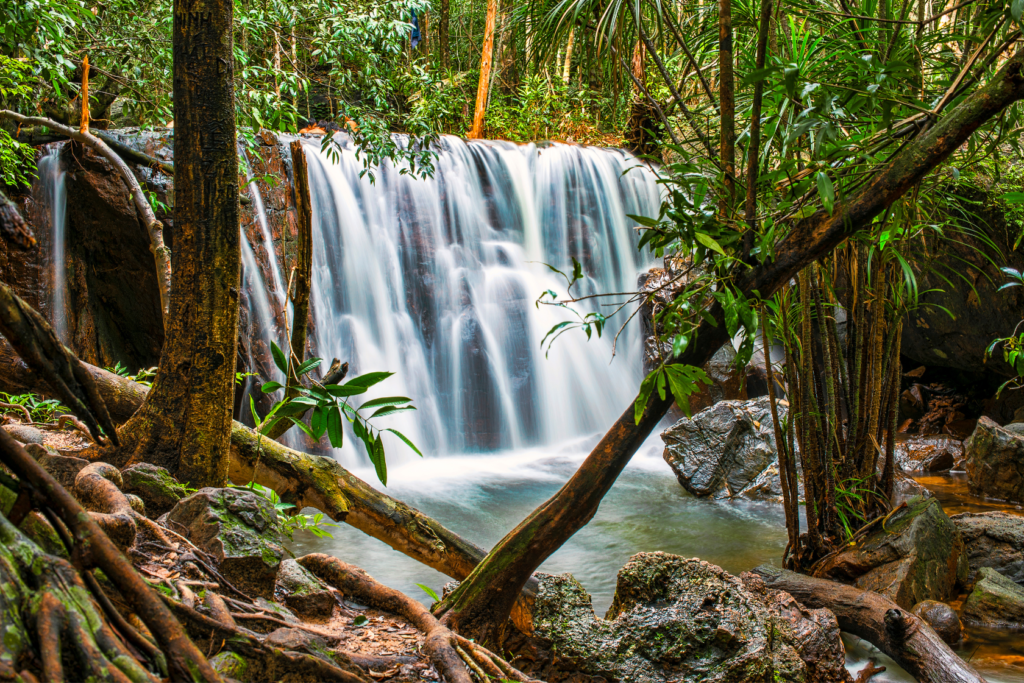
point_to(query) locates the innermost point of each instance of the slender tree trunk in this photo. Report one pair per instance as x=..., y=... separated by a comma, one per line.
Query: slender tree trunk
x=481, y=605
x=483, y=88
x=185, y=422
x=568, y=56
x=727, y=97
x=442, y=34
x=754, y=146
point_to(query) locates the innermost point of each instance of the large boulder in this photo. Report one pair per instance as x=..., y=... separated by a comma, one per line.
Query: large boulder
x=239, y=529
x=936, y=453
x=676, y=619
x=995, y=462
x=723, y=450
x=995, y=602
x=915, y=555
x=992, y=539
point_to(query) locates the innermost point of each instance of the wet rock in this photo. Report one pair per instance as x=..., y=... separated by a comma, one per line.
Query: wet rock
x=995, y=462
x=942, y=618
x=230, y=665
x=24, y=434
x=995, y=602
x=992, y=539
x=905, y=489
x=240, y=529
x=305, y=594
x=63, y=468
x=917, y=556
x=675, y=619
x=723, y=450
x=154, y=485
x=297, y=640
x=927, y=453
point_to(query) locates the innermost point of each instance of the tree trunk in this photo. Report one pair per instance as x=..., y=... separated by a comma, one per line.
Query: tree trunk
x=727, y=98
x=185, y=422
x=881, y=622
x=482, y=603
x=442, y=34
x=485, y=72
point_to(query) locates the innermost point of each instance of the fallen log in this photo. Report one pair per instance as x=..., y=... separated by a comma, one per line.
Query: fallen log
x=881, y=622
x=303, y=480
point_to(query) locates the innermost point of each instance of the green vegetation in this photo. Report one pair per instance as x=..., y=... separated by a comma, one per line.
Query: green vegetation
x=39, y=409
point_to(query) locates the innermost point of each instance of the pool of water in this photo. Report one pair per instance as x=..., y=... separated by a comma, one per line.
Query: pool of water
x=482, y=497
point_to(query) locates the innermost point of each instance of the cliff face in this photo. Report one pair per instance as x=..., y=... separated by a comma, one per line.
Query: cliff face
x=112, y=303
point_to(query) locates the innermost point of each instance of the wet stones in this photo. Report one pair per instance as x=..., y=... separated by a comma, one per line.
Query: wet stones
x=995, y=602
x=927, y=453
x=917, y=556
x=154, y=485
x=995, y=462
x=302, y=592
x=942, y=618
x=680, y=619
x=992, y=539
x=239, y=529
x=723, y=450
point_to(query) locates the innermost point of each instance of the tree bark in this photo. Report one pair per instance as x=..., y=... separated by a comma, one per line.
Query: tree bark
x=486, y=56
x=881, y=622
x=442, y=34
x=185, y=422
x=481, y=604
x=727, y=98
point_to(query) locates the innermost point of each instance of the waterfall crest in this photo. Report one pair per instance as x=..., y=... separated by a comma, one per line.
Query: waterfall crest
x=436, y=280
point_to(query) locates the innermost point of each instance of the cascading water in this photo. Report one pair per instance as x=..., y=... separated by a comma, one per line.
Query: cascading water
x=51, y=175
x=436, y=280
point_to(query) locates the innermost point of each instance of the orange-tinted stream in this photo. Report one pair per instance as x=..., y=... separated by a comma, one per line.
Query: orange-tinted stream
x=997, y=654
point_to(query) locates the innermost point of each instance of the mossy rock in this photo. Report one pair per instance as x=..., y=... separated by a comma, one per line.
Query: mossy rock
x=155, y=486
x=995, y=602
x=916, y=555
x=240, y=529
x=677, y=619
x=302, y=592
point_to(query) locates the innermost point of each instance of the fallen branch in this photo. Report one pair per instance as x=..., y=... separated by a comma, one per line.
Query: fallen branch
x=161, y=253
x=450, y=654
x=881, y=622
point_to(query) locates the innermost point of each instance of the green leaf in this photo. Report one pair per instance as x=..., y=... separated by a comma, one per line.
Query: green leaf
x=375, y=449
x=280, y=360
x=390, y=410
x=646, y=387
x=308, y=365
x=430, y=591
x=343, y=391
x=404, y=438
x=368, y=380
x=1017, y=10
x=389, y=401
x=270, y=387
x=709, y=242
x=826, y=190
x=1015, y=197
x=360, y=621
x=644, y=220
x=334, y=427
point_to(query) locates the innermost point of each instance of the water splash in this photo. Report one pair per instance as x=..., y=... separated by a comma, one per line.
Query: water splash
x=52, y=175
x=435, y=279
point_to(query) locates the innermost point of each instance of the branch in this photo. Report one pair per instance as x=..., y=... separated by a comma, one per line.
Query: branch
x=161, y=253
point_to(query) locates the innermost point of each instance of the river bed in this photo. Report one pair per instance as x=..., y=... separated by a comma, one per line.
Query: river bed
x=483, y=496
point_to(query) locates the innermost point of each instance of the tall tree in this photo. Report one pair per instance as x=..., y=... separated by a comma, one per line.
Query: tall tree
x=486, y=56
x=185, y=422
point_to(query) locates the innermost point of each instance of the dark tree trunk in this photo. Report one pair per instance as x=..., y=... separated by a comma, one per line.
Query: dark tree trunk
x=482, y=603
x=442, y=34
x=185, y=422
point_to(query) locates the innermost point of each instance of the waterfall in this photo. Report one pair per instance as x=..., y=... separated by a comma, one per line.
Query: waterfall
x=51, y=176
x=436, y=280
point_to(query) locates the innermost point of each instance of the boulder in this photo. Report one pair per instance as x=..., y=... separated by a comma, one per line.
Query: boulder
x=677, y=619
x=995, y=602
x=240, y=529
x=723, y=450
x=915, y=555
x=304, y=594
x=154, y=485
x=995, y=462
x=24, y=434
x=942, y=618
x=992, y=539
x=927, y=453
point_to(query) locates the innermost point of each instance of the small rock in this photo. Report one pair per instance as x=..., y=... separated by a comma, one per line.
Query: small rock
x=25, y=434
x=995, y=602
x=296, y=639
x=136, y=503
x=992, y=539
x=154, y=485
x=928, y=453
x=1018, y=415
x=995, y=462
x=240, y=529
x=229, y=665
x=63, y=468
x=942, y=618
x=905, y=489
x=917, y=556
x=305, y=594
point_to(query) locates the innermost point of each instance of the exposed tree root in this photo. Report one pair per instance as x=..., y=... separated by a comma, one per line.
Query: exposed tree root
x=453, y=656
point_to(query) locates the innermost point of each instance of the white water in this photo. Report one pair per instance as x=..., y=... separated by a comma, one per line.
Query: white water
x=436, y=279
x=51, y=176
